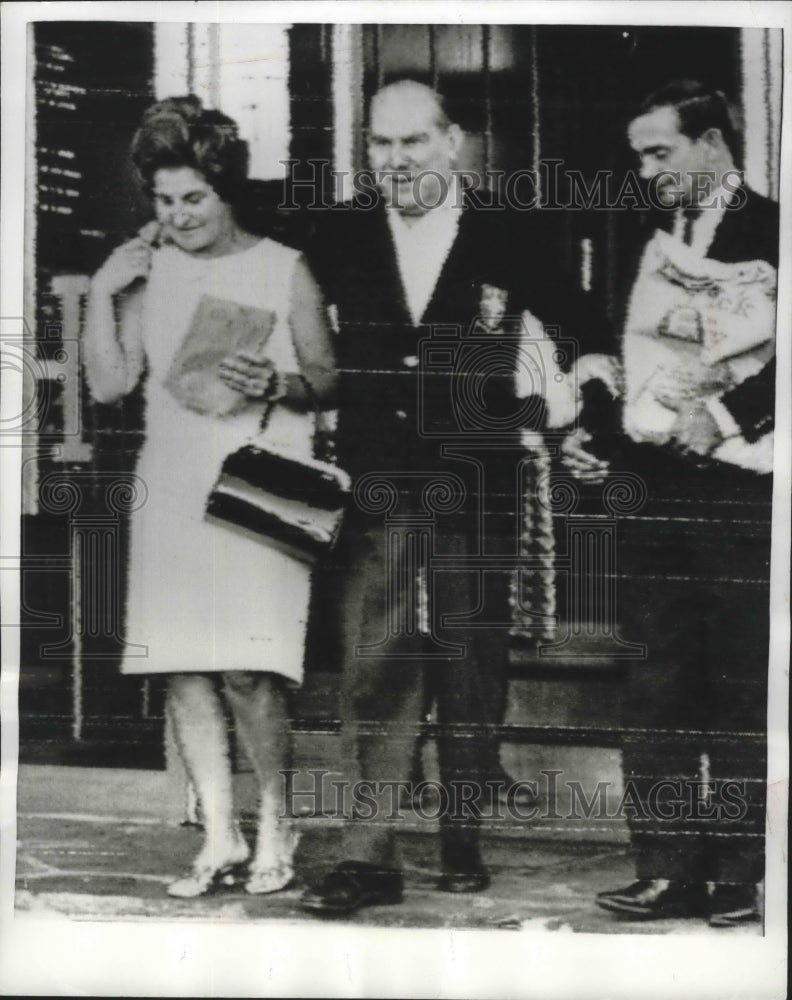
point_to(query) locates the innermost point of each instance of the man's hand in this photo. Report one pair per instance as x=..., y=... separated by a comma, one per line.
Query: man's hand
x=605, y=367
x=696, y=430
x=580, y=462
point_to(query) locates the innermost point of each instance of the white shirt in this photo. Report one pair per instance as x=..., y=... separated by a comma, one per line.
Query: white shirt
x=422, y=247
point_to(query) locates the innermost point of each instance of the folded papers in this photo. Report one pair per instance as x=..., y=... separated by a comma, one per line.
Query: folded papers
x=219, y=328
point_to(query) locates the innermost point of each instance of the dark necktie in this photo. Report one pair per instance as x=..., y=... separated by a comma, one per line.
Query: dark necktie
x=689, y=215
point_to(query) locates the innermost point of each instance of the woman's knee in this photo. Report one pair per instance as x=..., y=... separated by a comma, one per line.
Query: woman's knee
x=248, y=682
x=185, y=686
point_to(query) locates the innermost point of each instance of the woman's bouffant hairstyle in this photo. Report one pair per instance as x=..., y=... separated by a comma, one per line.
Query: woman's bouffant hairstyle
x=180, y=132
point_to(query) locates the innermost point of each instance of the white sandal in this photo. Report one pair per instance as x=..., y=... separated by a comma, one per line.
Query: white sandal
x=266, y=877
x=204, y=880
x=265, y=880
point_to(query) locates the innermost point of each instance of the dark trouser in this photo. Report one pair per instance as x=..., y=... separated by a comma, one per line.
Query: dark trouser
x=491, y=763
x=384, y=683
x=693, y=570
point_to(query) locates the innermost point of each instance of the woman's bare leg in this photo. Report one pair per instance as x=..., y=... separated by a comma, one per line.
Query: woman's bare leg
x=201, y=731
x=260, y=707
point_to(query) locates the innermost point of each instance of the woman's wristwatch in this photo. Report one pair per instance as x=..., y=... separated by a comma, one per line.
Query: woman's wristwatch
x=276, y=387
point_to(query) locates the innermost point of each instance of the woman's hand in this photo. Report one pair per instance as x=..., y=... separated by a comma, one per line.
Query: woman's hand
x=605, y=367
x=256, y=378
x=127, y=263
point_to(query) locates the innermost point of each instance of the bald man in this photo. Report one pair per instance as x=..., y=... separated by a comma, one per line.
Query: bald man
x=416, y=261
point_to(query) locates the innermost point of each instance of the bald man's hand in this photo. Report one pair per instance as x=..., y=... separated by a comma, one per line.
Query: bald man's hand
x=576, y=458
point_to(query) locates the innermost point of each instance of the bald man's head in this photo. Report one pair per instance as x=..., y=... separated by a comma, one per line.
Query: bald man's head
x=412, y=146
x=413, y=92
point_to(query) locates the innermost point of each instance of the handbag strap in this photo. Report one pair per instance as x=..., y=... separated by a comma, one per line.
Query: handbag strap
x=323, y=436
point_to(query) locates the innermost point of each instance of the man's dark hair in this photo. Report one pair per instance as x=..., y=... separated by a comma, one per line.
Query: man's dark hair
x=699, y=108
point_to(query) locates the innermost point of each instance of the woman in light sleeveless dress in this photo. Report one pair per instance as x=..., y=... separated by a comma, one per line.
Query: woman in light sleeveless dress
x=205, y=602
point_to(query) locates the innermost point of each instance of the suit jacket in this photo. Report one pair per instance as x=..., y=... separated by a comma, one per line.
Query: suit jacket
x=405, y=389
x=749, y=232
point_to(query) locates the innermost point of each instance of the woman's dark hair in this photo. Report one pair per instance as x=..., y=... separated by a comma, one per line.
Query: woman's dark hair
x=180, y=132
x=699, y=108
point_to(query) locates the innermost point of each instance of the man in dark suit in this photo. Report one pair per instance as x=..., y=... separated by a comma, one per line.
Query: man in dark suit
x=429, y=427
x=693, y=562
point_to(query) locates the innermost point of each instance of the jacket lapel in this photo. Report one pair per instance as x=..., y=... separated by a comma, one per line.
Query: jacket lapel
x=376, y=252
x=459, y=255
x=728, y=242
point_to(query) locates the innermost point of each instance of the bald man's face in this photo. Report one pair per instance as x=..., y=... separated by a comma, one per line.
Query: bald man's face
x=412, y=155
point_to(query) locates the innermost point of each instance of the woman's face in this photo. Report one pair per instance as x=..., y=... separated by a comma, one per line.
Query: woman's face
x=191, y=212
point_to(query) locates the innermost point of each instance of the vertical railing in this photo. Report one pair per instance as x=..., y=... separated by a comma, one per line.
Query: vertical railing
x=762, y=69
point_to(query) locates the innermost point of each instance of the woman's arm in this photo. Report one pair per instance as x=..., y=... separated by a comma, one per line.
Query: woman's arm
x=312, y=343
x=314, y=384
x=113, y=349
x=112, y=340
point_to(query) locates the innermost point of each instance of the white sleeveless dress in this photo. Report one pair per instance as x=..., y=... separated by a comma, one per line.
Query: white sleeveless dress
x=201, y=596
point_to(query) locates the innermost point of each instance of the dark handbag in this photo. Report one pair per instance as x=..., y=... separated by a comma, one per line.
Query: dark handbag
x=291, y=503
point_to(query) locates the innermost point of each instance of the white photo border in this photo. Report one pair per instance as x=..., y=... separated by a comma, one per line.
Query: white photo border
x=61, y=957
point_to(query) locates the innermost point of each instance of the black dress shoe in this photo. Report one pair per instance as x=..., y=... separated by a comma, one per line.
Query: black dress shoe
x=734, y=905
x=656, y=899
x=352, y=885
x=461, y=865
x=475, y=881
